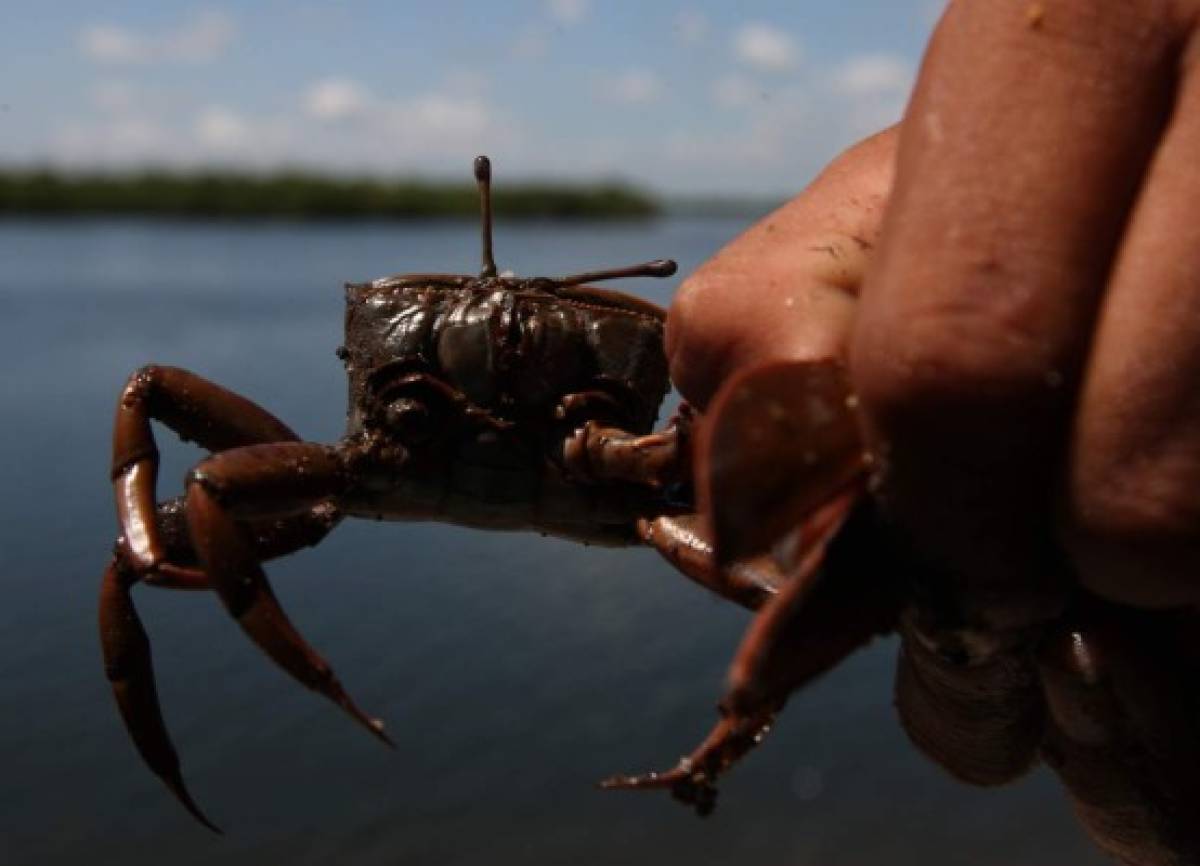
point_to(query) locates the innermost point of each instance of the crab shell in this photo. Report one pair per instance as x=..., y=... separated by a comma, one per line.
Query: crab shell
x=500, y=371
x=511, y=347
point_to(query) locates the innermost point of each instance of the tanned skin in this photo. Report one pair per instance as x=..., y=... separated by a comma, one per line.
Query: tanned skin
x=1013, y=274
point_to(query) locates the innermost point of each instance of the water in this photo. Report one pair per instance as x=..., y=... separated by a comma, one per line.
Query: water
x=513, y=671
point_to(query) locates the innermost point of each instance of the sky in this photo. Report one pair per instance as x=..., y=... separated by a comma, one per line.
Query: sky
x=682, y=96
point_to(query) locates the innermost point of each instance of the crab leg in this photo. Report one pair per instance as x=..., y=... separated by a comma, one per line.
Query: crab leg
x=779, y=468
x=661, y=459
x=129, y=669
x=272, y=538
x=683, y=540
x=196, y=409
x=605, y=454
x=802, y=631
x=126, y=649
x=254, y=483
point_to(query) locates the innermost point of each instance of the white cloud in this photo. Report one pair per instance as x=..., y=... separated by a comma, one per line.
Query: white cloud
x=765, y=47
x=567, y=12
x=334, y=99
x=202, y=38
x=438, y=129
x=873, y=75
x=691, y=26
x=448, y=111
x=632, y=87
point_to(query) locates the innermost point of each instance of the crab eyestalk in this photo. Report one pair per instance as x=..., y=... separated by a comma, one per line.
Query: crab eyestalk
x=483, y=177
x=657, y=268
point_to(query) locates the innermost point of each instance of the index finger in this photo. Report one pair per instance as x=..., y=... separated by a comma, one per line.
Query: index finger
x=1020, y=156
x=784, y=290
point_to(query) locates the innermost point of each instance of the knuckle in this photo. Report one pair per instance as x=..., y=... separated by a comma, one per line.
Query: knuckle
x=695, y=337
x=1115, y=497
x=950, y=358
x=1130, y=528
x=687, y=308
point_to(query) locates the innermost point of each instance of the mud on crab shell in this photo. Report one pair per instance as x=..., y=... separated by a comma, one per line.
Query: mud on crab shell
x=506, y=403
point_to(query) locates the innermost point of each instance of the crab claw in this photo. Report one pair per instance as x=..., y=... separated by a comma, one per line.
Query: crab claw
x=130, y=671
x=779, y=441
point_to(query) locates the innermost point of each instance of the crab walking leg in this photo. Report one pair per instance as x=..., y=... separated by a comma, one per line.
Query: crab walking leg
x=126, y=649
x=272, y=539
x=129, y=669
x=660, y=459
x=838, y=600
x=254, y=483
x=197, y=410
x=816, y=619
x=606, y=454
x=693, y=780
x=683, y=541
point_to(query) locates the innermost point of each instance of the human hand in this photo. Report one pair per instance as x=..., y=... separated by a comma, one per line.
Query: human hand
x=1027, y=347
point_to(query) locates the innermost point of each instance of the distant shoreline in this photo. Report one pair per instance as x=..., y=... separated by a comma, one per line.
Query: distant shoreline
x=298, y=195
x=308, y=196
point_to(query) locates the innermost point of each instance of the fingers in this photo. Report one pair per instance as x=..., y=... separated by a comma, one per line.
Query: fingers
x=1021, y=151
x=1123, y=733
x=785, y=289
x=1133, y=499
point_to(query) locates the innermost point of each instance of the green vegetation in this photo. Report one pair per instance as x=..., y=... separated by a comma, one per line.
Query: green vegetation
x=303, y=196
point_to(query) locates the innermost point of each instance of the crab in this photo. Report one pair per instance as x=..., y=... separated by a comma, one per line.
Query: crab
x=509, y=403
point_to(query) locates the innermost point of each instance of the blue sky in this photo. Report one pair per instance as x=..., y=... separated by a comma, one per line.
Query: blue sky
x=685, y=96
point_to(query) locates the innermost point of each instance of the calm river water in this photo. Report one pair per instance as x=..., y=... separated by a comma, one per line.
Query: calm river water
x=513, y=671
